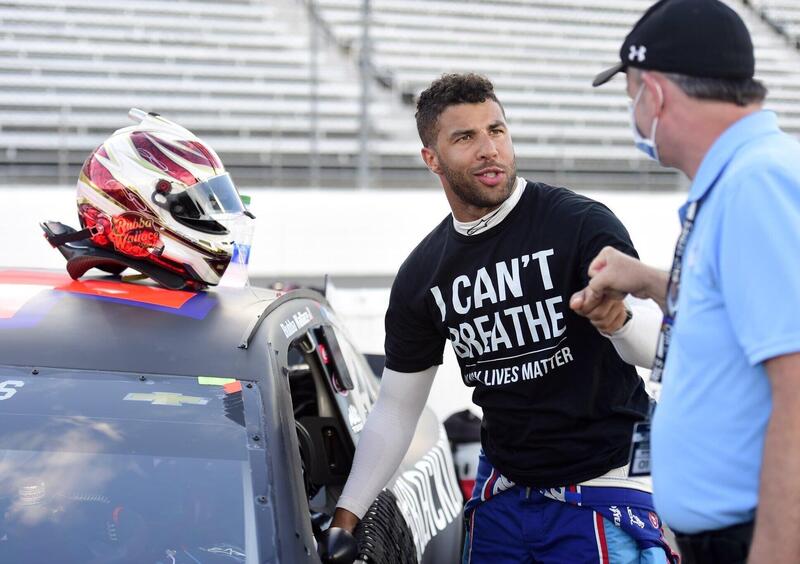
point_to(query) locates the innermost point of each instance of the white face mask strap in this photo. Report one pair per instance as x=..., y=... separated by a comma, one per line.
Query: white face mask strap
x=654, y=127
x=638, y=95
x=635, y=102
x=660, y=105
x=655, y=119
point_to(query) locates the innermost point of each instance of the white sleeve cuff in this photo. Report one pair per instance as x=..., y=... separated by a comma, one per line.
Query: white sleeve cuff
x=636, y=341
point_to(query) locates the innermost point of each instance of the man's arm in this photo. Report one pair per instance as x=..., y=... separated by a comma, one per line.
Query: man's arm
x=384, y=441
x=778, y=515
x=632, y=326
x=613, y=275
x=636, y=341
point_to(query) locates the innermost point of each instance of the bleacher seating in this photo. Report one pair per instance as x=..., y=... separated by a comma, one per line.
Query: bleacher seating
x=238, y=73
x=541, y=56
x=784, y=15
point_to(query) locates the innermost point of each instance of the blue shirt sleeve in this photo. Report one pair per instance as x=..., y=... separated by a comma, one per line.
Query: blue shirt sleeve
x=759, y=259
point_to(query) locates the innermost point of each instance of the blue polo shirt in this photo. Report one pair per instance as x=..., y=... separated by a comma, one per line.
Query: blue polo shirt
x=739, y=305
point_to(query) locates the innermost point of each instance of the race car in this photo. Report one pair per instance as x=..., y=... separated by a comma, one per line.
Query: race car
x=140, y=424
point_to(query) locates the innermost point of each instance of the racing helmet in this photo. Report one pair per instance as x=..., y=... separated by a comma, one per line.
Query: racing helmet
x=155, y=198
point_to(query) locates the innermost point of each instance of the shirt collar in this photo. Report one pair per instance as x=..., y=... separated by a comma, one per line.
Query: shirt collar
x=493, y=217
x=722, y=150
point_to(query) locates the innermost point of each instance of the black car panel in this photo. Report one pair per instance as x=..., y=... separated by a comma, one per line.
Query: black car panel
x=264, y=391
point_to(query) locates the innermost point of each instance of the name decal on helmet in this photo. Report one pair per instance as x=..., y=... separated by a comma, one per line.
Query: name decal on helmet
x=135, y=235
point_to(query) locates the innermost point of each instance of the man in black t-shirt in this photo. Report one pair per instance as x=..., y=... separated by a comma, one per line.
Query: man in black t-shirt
x=558, y=401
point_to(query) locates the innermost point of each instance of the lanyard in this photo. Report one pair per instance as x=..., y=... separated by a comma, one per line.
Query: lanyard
x=673, y=287
x=640, y=440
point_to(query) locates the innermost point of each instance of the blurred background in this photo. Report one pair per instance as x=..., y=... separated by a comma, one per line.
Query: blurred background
x=310, y=104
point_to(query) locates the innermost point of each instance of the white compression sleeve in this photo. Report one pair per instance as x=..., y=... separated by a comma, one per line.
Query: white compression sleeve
x=637, y=340
x=386, y=436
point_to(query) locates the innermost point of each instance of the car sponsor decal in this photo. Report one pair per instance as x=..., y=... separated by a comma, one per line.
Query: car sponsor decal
x=229, y=385
x=149, y=295
x=24, y=306
x=21, y=288
x=428, y=494
x=177, y=302
x=9, y=388
x=297, y=321
x=167, y=398
x=355, y=419
x=214, y=381
x=24, y=297
x=33, y=277
x=231, y=552
x=232, y=387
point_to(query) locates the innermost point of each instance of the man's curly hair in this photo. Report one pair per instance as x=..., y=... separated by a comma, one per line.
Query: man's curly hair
x=450, y=90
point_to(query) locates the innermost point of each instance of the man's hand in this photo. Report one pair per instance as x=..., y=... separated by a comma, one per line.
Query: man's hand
x=608, y=315
x=336, y=544
x=612, y=276
x=343, y=519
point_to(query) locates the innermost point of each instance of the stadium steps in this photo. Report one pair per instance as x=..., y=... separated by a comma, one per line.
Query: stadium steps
x=782, y=15
x=238, y=74
x=541, y=55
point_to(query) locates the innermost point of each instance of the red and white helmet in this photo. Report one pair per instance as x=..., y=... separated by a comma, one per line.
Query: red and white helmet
x=159, y=197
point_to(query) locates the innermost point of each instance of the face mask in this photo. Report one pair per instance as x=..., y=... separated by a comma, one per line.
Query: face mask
x=645, y=145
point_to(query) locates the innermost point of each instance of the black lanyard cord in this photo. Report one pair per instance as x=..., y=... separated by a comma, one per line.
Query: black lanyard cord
x=673, y=287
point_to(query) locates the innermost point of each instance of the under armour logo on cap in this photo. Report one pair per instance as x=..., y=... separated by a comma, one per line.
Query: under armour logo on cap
x=637, y=53
x=672, y=45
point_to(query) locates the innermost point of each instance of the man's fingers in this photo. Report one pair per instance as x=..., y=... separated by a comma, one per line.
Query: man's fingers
x=601, y=300
x=602, y=310
x=602, y=284
x=576, y=301
x=598, y=264
x=585, y=301
x=591, y=298
x=609, y=316
x=601, y=260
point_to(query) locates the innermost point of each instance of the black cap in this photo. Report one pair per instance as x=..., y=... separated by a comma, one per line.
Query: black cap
x=702, y=38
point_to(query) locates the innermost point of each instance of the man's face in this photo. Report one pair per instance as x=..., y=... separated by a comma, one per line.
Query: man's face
x=474, y=157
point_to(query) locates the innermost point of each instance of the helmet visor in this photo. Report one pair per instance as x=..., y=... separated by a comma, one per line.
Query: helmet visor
x=216, y=197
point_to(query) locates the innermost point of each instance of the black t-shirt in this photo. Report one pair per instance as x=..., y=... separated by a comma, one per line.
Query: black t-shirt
x=558, y=401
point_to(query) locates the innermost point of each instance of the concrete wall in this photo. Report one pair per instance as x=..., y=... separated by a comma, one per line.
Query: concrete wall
x=343, y=233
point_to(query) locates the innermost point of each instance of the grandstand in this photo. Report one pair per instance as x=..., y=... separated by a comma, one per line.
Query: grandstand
x=541, y=55
x=783, y=16
x=238, y=73
x=241, y=74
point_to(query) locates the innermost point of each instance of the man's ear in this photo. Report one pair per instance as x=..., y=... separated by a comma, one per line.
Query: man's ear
x=431, y=160
x=655, y=84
